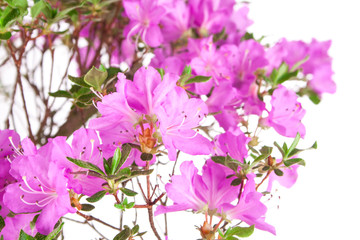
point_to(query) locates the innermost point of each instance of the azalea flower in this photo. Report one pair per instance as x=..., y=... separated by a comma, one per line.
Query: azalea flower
x=144, y=16
x=41, y=187
x=286, y=113
x=206, y=192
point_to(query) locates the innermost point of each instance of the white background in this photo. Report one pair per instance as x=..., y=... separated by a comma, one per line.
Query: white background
x=324, y=203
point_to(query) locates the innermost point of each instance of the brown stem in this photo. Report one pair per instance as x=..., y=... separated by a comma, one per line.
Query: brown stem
x=92, y=218
x=150, y=210
x=267, y=175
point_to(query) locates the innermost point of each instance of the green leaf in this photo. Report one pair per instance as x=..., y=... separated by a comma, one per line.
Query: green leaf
x=123, y=173
x=231, y=163
x=293, y=145
x=285, y=147
x=187, y=70
x=23, y=4
x=218, y=159
x=96, y=197
x=106, y=166
x=279, y=148
x=130, y=205
x=265, y=168
x=314, y=97
x=39, y=7
x=87, y=207
x=39, y=236
x=2, y=223
x=293, y=161
x=54, y=233
x=8, y=15
x=86, y=165
x=241, y=231
x=95, y=78
x=135, y=229
x=123, y=235
x=141, y=173
x=5, y=36
x=128, y=192
x=33, y=222
x=198, y=79
x=236, y=182
x=278, y=172
x=79, y=81
x=61, y=93
x=146, y=156
x=296, y=151
x=125, y=151
x=24, y=236
x=86, y=98
x=161, y=72
x=115, y=161
x=282, y=74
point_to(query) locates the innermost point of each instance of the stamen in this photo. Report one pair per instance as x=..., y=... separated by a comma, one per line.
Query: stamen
x=92, y=147
x=42, y=184
x=15, y=148
x=94, y=104
x=26, y=183
x=38, y=203
x=27, y=203
x=99, y=95
x=8, y=158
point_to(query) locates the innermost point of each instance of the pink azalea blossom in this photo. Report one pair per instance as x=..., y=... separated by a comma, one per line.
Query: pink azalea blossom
x=42, y=187
x=9, y=144
x=13, y=226
x=287, y=180
x=144, y=16
x=249, y=209
x=177, y=122
x=127, y=112
x=85, y=146
x=238, y=24
x=286, y=113
x=176, y=21
x=233, y=143
x=210, y=16
x=208, y=62
x=190, y=190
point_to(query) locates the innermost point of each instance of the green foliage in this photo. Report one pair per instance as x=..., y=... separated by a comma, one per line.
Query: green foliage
x=161, y=72
x=197, y=79
x=235, y=233
x=96, y=77
x=96, y=197
x=86, y=165
x=24, y=236
x=87, y=207
x=128, y=192
x=124, y=205
x=61, y=93
x=282, y=74
x=123, y=235
x=115, y=161
x=2, y=223
x=55, y=232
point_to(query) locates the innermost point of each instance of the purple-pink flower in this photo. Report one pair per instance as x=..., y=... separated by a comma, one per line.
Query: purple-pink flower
x=144, y=16
x=41, y=186
x=249, y=209
x=212, y=193
x=286, y=113
x=206, y=192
